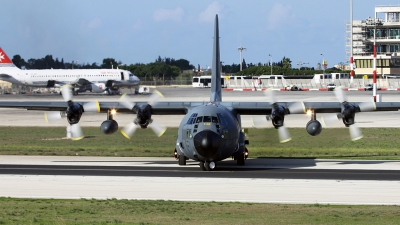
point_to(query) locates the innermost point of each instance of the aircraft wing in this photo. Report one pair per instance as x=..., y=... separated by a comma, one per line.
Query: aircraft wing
x=80, y=82
x=179, y=108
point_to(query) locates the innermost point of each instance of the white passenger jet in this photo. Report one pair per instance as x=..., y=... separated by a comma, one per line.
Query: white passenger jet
x=82, y=80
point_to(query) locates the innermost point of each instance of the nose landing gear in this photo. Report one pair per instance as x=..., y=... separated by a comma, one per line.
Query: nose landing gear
x=207, y=166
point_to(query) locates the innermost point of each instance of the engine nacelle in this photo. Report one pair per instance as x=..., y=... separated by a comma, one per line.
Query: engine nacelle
x=314, y=127
x=143, y=118
x=73, y=112
x=109, y=126
x=278, y=115
x=98, y=87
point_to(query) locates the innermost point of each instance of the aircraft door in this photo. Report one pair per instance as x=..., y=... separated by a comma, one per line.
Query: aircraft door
x=186, y=133
x=122, y=76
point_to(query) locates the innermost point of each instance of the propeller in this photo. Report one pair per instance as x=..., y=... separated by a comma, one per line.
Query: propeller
x=347, y=114
x=73, y=112
x=144, y=112
x=277, y=116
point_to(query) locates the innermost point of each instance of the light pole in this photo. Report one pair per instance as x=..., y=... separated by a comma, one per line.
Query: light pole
x=74, y=61
x=300, y=64
x=270, y=62
x=374, y=22
x=351, y=44
x=323, y=63
x=240, y=49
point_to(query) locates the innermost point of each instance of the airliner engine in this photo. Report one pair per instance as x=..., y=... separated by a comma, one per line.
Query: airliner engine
x=98, y=87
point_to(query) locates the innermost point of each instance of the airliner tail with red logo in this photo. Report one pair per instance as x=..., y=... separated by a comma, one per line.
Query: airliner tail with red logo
x=4, y=60
x=93, y=80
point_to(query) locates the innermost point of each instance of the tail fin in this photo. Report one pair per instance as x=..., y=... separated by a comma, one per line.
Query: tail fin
x=216, y=67
x=4, y=60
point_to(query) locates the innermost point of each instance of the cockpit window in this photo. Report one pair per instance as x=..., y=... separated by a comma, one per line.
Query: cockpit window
x=199, y=119
x=214, y=119
x=207, y=119
x=222, y=119
x=192, y=119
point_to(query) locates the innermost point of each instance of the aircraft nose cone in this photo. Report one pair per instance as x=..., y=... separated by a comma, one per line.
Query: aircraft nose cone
x=207, y=143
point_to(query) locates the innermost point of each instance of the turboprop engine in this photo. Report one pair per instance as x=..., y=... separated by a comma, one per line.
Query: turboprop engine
x=98, y=87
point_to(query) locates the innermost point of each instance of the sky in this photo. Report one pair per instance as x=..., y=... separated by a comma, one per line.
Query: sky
x=133, y=31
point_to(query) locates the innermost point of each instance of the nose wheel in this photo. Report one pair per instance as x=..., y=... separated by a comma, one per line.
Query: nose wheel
x=207, y=166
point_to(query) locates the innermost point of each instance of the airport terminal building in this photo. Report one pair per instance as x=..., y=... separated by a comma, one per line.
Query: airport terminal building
x=386, y=25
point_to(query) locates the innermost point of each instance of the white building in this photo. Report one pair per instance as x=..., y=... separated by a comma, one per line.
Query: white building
x=386, y=24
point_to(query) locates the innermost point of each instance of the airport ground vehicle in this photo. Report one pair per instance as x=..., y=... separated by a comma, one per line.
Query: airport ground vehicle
x=368, y=87
x=331, y=86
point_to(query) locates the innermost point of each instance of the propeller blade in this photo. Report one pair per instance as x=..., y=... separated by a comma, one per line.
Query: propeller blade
x=157, y=128
x=76, y=132
x=329, y=120
x=129, y=130
x=52, y=116
x=155, y=97
x=126, y=101
x=367, y=106
x=66, y=92
x=284, y=135
x=91, y=107
x=355, y=132
x=297, y=108
x=269, y=93
x=260, y=122
x=340, y=95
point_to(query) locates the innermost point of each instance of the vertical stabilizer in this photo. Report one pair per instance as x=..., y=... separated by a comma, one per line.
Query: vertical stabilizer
x=216, y=67
x=4, y=60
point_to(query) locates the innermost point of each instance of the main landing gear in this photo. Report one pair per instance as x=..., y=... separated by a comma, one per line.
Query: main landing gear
x=241, y=158
x=181, y=158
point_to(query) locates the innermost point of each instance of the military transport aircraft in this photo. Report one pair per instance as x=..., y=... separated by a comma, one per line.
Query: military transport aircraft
x=210, y=131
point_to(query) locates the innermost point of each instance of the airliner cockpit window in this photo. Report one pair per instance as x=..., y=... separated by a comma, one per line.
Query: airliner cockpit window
x=214, y=119
x=199, y=119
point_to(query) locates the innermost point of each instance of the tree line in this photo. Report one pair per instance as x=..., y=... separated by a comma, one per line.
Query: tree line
x=168, y=68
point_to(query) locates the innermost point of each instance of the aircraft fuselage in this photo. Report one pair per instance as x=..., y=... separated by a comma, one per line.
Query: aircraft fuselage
x=210, y=133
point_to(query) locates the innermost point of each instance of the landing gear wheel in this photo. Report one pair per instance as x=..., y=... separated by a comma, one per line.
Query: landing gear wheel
x=202, y=166
x=182, y=160
x=210, y=166
x=240, y=160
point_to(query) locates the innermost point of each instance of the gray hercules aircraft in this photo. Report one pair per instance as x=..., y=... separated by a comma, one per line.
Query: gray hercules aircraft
x=210, y=131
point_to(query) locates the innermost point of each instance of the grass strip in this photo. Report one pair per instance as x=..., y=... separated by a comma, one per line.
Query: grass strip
x=378, y=143
x=112, y=211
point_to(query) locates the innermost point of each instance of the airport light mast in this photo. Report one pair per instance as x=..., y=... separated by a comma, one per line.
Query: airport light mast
x=240, y=49
x=323, y=63
x=270, y=62
x=374, y=22
x=351, y=44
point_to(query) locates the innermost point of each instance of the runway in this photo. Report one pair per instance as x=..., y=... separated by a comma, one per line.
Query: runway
x=306, y=181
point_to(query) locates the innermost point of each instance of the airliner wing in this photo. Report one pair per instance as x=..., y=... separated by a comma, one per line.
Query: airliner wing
x=80, y=82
